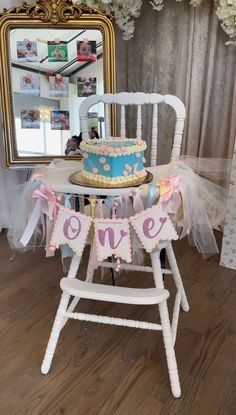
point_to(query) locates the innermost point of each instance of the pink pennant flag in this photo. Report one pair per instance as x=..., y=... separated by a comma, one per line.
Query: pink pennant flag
x=152, y=226
x=112, y=237
x=71, y=228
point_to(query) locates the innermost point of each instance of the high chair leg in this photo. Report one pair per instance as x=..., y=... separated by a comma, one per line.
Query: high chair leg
x=177, y=277
x=169, y=349
x=166, y=328
x=74, y=266
x=55, y=333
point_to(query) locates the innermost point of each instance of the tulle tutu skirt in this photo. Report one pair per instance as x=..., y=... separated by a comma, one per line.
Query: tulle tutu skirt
x=203, y=201
x=196, y=205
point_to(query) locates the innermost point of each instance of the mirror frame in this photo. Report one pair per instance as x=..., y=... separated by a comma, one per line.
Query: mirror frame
x=61, y=14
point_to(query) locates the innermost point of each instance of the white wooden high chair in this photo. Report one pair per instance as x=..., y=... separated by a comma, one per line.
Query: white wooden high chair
x=76, y=289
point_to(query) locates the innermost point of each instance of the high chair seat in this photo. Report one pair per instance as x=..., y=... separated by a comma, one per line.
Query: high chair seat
x=124, y=295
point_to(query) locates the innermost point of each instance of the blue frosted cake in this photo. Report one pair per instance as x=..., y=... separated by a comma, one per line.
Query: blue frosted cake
x=113, y=161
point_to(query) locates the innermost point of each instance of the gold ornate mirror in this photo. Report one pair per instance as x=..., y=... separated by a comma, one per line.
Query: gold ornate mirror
x=52, y=55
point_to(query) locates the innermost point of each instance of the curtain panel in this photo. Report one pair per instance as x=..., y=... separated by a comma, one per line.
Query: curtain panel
x=181, y=51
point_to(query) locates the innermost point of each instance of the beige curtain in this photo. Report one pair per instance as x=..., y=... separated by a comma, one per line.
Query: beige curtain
x=181, y=50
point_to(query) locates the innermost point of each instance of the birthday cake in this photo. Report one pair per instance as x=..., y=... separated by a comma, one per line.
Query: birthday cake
x=114, y=161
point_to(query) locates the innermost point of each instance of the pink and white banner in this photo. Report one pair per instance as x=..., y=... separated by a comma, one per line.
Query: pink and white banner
x=152, y=226
x=112, y=237
x=71, y=228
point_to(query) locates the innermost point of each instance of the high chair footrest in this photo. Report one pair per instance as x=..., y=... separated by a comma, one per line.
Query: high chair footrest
x=83, y=289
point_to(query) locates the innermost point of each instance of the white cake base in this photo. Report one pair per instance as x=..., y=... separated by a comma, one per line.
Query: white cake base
x=114, y=181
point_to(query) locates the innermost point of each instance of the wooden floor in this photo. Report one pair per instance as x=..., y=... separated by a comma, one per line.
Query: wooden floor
x=109, y=370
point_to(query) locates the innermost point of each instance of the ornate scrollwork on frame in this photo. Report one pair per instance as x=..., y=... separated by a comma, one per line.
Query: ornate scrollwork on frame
x=54, y=11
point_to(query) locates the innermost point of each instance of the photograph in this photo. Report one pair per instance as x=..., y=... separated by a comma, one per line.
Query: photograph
x=86, y=50
x=30, y=119
x=58, y=86
x=30, y=84
x=86, y=86
x=57, y=51
x=60, y=120
x=27, y=51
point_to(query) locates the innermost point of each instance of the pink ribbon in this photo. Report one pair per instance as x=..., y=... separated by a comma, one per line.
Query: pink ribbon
x=115, y=205
x=93, y=261
x=98, y=214
x=49, y=200
x=48, y=203
x=178, y=193
x=171, y=200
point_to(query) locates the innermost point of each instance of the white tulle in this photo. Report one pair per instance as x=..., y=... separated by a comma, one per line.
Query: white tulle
x=216, y=170
x=21, y=205
x=204, y=202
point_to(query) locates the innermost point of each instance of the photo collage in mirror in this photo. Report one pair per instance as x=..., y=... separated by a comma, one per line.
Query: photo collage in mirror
x=50, y=79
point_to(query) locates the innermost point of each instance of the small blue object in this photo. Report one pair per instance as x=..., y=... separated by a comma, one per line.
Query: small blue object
x=153, y=193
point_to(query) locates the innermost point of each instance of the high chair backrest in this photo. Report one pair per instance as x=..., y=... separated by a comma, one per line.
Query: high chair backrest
x=138, y=99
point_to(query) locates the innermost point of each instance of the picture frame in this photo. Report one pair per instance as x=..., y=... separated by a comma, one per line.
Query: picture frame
x=86, y=86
